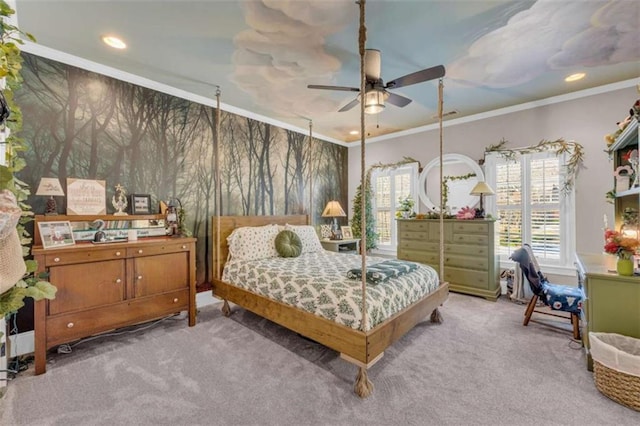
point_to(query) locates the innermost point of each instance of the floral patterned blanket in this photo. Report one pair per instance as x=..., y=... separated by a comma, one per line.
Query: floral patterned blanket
x=317, y=283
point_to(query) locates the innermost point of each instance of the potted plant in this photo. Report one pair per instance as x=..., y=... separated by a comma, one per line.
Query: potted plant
x=405, y=207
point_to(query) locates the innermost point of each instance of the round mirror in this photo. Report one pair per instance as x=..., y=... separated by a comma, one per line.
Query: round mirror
x=460, y=174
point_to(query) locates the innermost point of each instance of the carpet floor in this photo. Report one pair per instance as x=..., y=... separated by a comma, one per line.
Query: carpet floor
x=480, y=366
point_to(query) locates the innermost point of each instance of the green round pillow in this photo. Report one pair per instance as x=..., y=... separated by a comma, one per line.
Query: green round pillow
x=288, y=244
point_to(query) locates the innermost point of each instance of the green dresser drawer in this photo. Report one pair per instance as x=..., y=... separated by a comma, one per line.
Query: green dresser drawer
x=472, y=227
x=418, y=256
x=471, y=239
x=471, y=250
x=468, y=278
x=480, y=264
x=414, y=235
x=414, y=225
x=419, y=245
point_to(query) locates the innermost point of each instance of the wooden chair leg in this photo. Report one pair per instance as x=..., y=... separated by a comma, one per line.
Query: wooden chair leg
x=575, y=322
x=530, y=307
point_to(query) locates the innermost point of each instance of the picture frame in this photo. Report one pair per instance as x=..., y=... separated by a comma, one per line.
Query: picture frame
x=86, y=197
x=140, y=203
x=56, y=234
x=325, y=232
x=347, y=232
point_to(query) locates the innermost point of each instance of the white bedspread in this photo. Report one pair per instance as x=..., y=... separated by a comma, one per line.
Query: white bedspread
x=318, y=283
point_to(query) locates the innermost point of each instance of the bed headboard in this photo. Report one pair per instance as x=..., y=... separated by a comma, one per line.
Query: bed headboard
x=228, y=223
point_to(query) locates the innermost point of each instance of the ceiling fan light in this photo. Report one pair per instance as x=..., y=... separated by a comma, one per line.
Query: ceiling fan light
x=373, y=102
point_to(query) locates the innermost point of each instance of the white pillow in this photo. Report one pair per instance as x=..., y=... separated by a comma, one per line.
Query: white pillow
x=308, y=236
x=253, y=242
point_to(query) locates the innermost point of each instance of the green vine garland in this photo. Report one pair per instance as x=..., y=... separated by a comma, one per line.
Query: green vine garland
x=445, y=186
x=559, y=146
x=31, y=285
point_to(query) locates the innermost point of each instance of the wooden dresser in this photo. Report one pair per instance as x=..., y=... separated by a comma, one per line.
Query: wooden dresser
x=612, y=303
x=102, y=287
x=471, y=266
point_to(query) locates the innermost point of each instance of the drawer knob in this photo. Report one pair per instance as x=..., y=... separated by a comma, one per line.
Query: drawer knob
x=184, y=247
x=139, y=277
x=175, y=300
x=70, y=325
x=117, y=253
x=140, y=251
x=118, y=281
x=57, y=259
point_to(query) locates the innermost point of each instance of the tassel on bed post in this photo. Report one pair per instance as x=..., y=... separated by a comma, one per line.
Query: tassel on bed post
x=363, y=387
x=436, y=316
x=226, y=309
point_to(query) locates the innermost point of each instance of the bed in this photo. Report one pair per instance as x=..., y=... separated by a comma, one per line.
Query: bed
x=358, y=344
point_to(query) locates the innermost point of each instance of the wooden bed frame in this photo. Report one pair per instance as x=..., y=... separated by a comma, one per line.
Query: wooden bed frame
x=358, y=347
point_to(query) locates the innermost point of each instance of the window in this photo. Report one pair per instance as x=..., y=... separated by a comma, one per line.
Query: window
x=388, y=186
x=532, y=208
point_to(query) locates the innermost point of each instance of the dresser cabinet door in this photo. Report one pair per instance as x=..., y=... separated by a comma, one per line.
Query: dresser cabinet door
x=160, y=274
x=87, y=285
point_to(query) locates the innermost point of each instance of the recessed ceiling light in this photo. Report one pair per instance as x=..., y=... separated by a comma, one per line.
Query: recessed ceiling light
x=575, y=77
x=114, y=42
x=354, y=132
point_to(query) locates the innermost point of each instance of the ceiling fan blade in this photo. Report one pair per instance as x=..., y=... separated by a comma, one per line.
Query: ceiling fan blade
x=417, y=77
x=350, y=105
x=372, y=64
x=398, y=100
x=342, y=88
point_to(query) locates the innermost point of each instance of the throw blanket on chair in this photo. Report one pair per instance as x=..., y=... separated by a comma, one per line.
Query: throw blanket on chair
x=381, y=272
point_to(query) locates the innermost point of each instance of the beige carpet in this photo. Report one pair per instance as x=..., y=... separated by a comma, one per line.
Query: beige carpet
x=481, y=366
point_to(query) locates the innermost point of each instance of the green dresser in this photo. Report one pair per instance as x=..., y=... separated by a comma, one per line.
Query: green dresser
x=612, y=303
x=470, y=264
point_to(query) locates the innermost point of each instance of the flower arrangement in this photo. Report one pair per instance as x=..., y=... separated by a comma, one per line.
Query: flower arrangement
x=466, y=213
x=616, y=243
x=405, y=207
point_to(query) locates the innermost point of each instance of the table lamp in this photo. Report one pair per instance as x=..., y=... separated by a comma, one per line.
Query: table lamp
x=334, y=210
x=50, y=187
x=481, y=189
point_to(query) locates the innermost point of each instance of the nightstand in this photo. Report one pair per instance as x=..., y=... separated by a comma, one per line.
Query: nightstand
x=341, y=246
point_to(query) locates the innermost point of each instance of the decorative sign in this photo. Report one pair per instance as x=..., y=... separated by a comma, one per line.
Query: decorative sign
x=86, y=196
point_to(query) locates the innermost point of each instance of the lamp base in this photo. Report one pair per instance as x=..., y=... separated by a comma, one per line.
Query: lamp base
x=51, y=209
x=479, y=214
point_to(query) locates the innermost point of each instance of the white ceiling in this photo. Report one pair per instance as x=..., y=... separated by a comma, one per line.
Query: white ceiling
x=263, y=53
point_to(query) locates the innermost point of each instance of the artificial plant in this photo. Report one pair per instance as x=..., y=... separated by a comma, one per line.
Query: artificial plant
x=31, y=285
x=356, y=220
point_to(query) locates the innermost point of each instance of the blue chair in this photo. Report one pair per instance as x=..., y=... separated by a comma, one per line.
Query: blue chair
x=557, y=297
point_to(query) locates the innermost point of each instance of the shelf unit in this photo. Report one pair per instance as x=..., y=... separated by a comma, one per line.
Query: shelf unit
x=629, y=139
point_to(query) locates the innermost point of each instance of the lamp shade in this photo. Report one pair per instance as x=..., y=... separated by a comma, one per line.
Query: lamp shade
x=333, y=209
x=374, y=102
x=482, y=188
x=50, y=186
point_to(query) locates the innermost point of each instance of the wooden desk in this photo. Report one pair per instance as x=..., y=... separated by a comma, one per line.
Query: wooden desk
x=612, y=303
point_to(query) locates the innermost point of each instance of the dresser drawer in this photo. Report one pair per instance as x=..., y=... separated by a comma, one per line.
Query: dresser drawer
x=430, y=258
x=69, y=327
x=471, y=239
x=467, y=278
x=465, y=249
x=152, y=250
x=419, y=245
x=413, y=225
x=60, y=257
x=467, y=262
x=470, y=227
x=415, y=236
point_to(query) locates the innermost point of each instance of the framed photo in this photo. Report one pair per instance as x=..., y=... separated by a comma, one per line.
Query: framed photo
x=140, y=204
x=346, y=232
x=325, y=232
x=56, y=234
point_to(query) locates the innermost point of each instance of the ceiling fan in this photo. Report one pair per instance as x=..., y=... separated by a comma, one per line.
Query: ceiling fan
x=376, y=91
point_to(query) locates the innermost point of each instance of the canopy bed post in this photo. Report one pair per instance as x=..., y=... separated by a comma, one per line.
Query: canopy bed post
x=436, y=317
x=363, y=386
x=226, y=310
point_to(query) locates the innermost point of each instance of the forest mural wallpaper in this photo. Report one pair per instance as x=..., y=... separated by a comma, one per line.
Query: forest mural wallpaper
x=81, y=124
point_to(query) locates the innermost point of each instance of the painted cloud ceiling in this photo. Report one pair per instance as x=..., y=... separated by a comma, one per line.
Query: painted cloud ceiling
x=263, y=53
